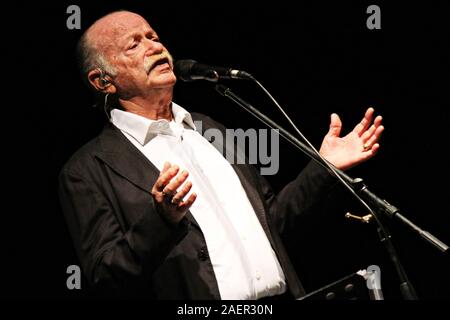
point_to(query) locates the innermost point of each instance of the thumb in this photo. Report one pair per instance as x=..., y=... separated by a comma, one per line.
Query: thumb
x=335, y=125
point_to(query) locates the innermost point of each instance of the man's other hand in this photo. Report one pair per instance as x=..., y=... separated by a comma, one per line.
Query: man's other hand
x=169, y=192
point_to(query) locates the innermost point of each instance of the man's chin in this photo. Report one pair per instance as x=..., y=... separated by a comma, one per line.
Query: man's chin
x=162, y=74
x=163, y=81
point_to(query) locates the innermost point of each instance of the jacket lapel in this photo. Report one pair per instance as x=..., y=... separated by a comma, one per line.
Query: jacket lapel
x=127, y=161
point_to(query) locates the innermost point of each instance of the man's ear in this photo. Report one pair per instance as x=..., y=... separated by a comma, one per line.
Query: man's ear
x=101, y=82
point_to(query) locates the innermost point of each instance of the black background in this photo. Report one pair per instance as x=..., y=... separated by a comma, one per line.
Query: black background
x=314, y=57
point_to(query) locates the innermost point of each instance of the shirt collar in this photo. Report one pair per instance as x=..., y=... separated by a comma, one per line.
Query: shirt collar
x=143, y=129
x=182, y=115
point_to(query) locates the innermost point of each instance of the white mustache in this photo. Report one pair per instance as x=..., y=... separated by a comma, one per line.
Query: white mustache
x=149, y=62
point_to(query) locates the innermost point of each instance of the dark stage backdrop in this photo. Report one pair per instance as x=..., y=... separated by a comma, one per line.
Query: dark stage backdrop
x=315, y=57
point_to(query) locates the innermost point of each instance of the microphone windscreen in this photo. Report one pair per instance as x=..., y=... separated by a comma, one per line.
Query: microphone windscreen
x=183, y=68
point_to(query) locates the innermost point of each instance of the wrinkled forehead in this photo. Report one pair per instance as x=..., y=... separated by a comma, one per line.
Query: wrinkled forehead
x=115, y=28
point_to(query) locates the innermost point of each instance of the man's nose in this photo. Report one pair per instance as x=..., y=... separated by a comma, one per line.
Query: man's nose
x=154, y=47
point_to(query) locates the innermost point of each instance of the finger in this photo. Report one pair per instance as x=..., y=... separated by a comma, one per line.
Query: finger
x=165, y=178
x=361, y=127
x=335, y=125
x=174, y=184
x=182, y=193
x=377, y=121
x=185, y=205
x=371, y=152
x=166, y=167
x=368, y=134
x=374, y=138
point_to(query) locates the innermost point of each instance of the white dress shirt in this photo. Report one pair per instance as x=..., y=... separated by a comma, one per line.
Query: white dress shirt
x=245, y=265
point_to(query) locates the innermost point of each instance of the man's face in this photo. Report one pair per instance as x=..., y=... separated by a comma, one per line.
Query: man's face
x=132, y=47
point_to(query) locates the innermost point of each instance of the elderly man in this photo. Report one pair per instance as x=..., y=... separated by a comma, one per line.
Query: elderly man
x=139, y=225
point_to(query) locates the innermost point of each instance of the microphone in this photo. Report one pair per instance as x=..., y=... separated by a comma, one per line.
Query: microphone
x=190, y=70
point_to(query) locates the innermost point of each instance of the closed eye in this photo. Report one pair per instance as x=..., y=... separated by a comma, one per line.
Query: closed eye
x=133, y=46
x=152, y=36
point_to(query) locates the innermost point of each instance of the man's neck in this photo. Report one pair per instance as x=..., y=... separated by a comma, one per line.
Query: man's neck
x=154, y=108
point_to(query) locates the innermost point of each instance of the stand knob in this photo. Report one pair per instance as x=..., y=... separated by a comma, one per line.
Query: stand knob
x=364, y=219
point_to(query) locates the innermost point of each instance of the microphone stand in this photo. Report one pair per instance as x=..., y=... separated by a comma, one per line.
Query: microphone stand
x=380, y=205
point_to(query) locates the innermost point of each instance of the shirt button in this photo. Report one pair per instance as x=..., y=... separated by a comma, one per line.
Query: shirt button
x=257, y=276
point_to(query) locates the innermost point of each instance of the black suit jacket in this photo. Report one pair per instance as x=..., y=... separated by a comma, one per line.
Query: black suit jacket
x=126, y=247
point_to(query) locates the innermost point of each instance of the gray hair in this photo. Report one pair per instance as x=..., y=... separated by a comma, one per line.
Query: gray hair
x=90, y=58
